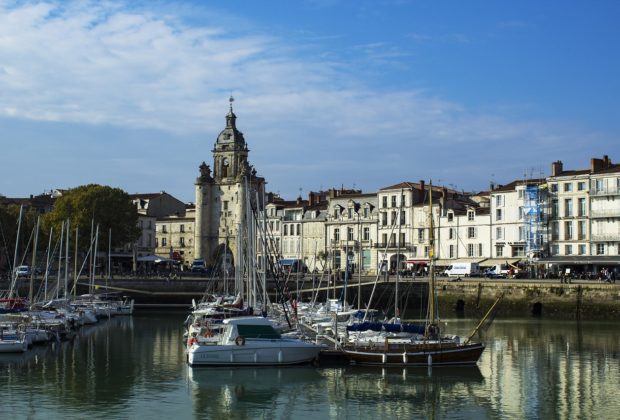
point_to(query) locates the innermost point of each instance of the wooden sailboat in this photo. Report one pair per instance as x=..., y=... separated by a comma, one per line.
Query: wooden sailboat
x=432, y=347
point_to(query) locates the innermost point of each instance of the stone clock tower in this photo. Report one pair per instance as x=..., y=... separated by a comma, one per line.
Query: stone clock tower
x=221, y=197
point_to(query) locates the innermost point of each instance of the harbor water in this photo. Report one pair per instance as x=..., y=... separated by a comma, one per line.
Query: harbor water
x=134, y=367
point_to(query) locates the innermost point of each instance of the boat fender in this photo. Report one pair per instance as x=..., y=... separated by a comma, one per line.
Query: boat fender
x=191, y=341
x=240, y=340
x=405, y=358
x=384, y=358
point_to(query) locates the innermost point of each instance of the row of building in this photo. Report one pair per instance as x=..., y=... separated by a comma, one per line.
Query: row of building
x=568, y=220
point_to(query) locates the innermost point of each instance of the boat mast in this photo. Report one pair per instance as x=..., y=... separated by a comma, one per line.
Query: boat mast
x=14, y=268
x=398, y=262
x=432, y=330
x=33, y=270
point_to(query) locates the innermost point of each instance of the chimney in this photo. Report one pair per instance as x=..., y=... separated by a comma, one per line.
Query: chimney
x=557, y=168
x=422, y=188
x=607, y=161
x=311, y=198
x=597, y=164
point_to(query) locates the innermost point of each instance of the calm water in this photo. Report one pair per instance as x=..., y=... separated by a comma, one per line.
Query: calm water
x=135, y=368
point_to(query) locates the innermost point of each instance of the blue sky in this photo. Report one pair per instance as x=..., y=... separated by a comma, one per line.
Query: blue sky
x=363, y=94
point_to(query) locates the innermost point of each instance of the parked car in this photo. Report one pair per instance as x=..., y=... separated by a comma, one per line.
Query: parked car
x=463, y=270
x=199, y=266
x=495, y=272
x=22, y=271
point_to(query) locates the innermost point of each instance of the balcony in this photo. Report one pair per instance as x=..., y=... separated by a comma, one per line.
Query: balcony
x=404, y=246
x=604, y=213
x=605, y=192
x=605, y=237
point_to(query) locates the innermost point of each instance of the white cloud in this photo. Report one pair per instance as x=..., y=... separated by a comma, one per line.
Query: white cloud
x=106, y=64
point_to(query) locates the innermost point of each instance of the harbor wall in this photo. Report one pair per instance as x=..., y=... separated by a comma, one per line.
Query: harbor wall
x=471, y=298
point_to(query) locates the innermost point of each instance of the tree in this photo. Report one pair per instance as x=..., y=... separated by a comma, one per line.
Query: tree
x=9, y=219
x=110, y=208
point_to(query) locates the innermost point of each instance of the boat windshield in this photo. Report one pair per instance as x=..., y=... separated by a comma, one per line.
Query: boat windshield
x=257, y=331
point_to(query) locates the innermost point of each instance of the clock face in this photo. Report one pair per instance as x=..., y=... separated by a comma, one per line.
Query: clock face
x=225, y=162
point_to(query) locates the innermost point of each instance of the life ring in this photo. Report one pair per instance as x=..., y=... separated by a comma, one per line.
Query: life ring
x=240, y=340
x=191, y=341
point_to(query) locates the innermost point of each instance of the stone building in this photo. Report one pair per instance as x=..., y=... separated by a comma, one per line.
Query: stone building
x=223, y=196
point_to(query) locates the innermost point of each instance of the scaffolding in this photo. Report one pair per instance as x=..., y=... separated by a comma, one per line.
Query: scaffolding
x=533, y=221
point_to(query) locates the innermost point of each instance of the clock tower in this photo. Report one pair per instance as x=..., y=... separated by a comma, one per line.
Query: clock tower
x=221, y=198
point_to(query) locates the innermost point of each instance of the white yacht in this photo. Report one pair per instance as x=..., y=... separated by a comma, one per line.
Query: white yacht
x=251, y=341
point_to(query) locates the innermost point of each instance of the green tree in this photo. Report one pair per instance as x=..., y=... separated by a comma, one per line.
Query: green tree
x=9, y=219
x=110, y=208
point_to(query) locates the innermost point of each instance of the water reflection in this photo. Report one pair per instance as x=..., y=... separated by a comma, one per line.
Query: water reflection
x=136, y=368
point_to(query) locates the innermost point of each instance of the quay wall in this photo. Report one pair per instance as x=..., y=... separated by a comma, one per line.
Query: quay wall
x=587, y=300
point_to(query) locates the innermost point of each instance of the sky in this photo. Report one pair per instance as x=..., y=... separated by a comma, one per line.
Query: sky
x=328, y=93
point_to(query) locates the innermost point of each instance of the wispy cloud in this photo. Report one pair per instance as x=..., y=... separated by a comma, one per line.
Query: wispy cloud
x=106, y=64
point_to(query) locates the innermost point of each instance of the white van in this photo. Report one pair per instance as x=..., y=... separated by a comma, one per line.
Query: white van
x=463, y=270
x=497, y=271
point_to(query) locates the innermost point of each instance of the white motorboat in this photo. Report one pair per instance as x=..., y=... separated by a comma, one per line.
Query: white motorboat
x=251, y=341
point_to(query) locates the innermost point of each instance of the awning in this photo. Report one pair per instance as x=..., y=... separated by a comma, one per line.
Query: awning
x=422, y=262
x=580, y=259
x=497, y=261
x=449, y=261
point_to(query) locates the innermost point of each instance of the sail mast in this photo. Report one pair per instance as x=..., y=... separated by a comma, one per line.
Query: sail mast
x=431, y=327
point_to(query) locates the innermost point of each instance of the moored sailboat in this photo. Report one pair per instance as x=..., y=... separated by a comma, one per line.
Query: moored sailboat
x=430, y=347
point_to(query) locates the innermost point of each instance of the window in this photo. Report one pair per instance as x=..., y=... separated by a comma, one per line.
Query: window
x=401, y=239
x=554, y=187
x=470, y=250
x=402, y=218
x=393, y=217
x=600, y=248
x=181, y=228
x=582, y=249
x=498, y=200
x=164, y=229
x=599, y=186
x=451, y=233
x=582, y=207
x=392, y=239
x=498, y=214
x=520, y=213
x=366, y=233
x=156, y=242
x=402, y=200
x=555, y=231
x=350, y=212
x=581, y=186
x=521, y=233
x=181, y=242
x=498, y=233
x=471, y=232
x=384, y=219
x=521, y=193
x=298, y=229
x=336, y=234
x=384, y=239
x=420, y=235
x=285, y=230
x=568, y=207
x=470, y=215
x=366, y=212
x=568, y=187
x=518, y=251
x=451, y=252
x=568, y=250
x=581, y=229
x=336, y=212
x=555, y=208
x=568, y=230
x=499, y=250
x=393, y=201
x=225, y=205
x=384, y=201
x=480, y=250
x=414, y=251
x=555, y=249
x=450, y=217
x=349, y=234
x=163, y=242
x=426, y=250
